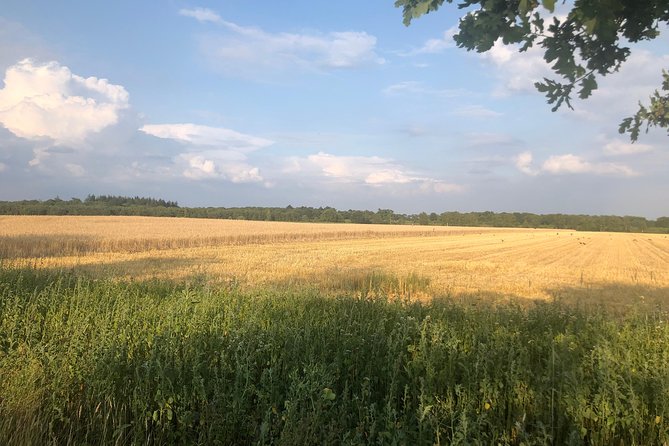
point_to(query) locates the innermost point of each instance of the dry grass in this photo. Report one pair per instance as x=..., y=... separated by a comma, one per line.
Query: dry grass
x=472, y=262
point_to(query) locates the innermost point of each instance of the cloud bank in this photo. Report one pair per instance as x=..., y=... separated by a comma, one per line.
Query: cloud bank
x=372, y=171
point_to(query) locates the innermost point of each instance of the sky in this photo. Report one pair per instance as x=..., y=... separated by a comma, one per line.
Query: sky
x=303, y=103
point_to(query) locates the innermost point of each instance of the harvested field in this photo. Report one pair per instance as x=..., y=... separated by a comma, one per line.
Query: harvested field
x=497, y=263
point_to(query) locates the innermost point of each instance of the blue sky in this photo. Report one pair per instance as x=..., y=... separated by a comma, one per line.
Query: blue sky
x=265, y=103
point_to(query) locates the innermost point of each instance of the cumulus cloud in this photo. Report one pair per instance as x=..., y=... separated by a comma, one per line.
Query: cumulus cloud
x=202, y=135
x=371, y=171
x=217, y=164
x=571, y=164
x=201, y=14
x=212, y=152
x=47, y=102
x=246, y=50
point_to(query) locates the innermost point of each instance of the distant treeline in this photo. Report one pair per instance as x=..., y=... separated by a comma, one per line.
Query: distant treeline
x=114, y=200
x=118, y=205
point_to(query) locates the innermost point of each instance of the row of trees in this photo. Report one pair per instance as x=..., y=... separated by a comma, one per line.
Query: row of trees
x=117, y=200
x=113, y=205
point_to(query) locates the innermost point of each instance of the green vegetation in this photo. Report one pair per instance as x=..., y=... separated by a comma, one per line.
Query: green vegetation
x=87, y=361
x=112, y=205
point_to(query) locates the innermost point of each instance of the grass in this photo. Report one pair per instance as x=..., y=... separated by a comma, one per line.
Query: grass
x=103, y=361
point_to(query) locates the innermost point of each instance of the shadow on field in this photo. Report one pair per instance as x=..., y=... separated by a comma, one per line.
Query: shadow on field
x=39, y=246
x=360, y=282
x=141, y=269
x=615, y=296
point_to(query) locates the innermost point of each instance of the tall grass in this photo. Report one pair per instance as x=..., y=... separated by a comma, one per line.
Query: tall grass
x=102, y=362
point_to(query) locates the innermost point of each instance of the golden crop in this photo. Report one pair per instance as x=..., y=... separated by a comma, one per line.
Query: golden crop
x=496, y=263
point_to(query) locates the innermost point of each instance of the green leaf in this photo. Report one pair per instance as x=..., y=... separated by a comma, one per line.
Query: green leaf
x=420, y=9
x=590, y=25
x=588, y=84
x=328, y=394
x=549, y=4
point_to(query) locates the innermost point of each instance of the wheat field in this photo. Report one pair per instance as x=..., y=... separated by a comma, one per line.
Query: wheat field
x=486, y=263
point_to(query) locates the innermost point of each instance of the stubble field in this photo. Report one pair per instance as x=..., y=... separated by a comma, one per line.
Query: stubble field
x=480, y=263
x=131, y=330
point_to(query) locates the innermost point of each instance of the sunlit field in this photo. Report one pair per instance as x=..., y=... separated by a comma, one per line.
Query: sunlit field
x=130, y=330
x=488, y=263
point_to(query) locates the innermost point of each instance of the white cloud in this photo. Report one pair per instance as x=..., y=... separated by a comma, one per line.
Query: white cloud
x=48, y=102
x=347, y=168
x=566, y=164
x=418, y=88
x=619, y=93
x=618, y=147
x=571, y=164
x=386, y=176
x=3, y=167
x=202, y=135
x=371, y=171
x=435, y=46
x=245, y=50
x=201, y=15
x=517, y=72
x=523, y=162
x=76, y=170
x=218, y=165
x=212, y=152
